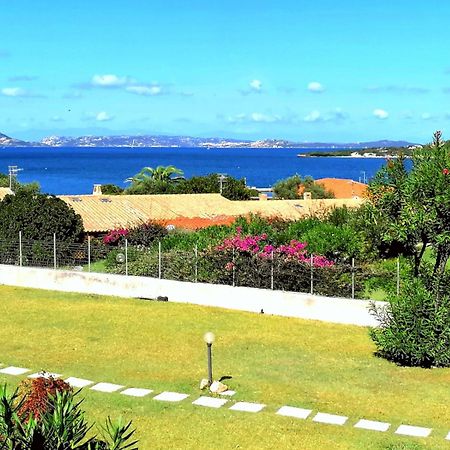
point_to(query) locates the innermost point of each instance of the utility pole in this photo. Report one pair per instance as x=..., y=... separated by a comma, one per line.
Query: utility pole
x=222, y=178
x=12, y=171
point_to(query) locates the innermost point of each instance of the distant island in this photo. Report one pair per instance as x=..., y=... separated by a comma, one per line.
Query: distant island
x=375, y=152
x=188, y=141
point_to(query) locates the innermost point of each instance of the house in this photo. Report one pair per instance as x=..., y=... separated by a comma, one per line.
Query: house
x=101, y=213
x=343, y=188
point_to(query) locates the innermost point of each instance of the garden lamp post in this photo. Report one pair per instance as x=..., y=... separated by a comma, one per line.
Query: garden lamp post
x=209, y=339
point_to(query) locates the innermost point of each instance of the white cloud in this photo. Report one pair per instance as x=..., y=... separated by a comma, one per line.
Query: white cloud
x=144, y=90
x=316, y=87
x=109, y=80
x=266, y=118
x=256, y=85
x=57, y=119
x=380, y=113
x=14, y=92
x=313, y=116
x=103, y=117
x=426, y=116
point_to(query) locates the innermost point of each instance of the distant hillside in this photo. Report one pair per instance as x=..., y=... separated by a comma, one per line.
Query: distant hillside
x=187, y=141
x=6, y=141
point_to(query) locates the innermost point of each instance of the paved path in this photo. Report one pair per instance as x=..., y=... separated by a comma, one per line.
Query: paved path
x=219, y=402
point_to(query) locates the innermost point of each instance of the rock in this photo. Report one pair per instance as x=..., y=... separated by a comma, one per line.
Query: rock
x=217, y=387
x=204, y=383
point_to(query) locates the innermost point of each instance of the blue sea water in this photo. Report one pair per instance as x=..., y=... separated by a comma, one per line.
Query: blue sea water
x=75, y=170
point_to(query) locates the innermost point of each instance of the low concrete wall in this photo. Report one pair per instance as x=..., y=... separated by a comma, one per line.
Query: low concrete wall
x=290, y=304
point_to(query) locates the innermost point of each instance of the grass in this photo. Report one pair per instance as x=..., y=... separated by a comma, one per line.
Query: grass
x=273, y=360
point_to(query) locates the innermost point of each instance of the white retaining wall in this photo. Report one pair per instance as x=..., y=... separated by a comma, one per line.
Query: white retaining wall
x=290, y=304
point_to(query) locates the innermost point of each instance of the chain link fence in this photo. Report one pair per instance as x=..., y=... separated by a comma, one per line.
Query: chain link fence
x=344, y=278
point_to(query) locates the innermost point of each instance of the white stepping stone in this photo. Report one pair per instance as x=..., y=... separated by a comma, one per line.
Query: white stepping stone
x=210, y=402
x=136, y=392
x=372, y=425
x=106, y=387
x=331, y=419
x=228, y=393
x=409, y=430
x=170, y=397
x=448, y=436
x=290, y=411
x=79, y=382
x=247, y=407
x=11, y=370
x=44, y=374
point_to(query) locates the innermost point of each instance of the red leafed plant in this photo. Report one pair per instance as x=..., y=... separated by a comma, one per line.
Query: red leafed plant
x=36, y=394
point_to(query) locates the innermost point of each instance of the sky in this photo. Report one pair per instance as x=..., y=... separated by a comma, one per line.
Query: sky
x=308, y=71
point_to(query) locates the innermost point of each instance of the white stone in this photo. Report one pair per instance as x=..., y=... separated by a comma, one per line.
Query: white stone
x=448, y=436
x=247, y=407
x=106, y=387
x=136, y=392
x=204, y=383
x=229, y=393
x=290, y=411
x=217, y=387
x=210, y=402
x=79, y=382
x=170, y=397
x=372, y=425
x=410, y=430
x=11, y=370
x=44, y=374
x=331, y=419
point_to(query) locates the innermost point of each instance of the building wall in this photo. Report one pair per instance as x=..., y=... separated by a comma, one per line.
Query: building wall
x=289, y=304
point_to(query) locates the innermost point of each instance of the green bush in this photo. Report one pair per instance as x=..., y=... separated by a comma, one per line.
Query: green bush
x=146, y=234
x=414, y=327
x=333, y=241
x=289, y=188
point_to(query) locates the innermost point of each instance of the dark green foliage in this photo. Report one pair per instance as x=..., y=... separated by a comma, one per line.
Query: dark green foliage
x=4, y=180
x=414, y=327
x=38, y=216
x=232, y=188
x=111, y=189
x=146, y=234
x=289, y=188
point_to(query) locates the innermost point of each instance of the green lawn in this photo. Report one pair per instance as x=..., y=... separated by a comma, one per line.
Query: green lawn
x=275, y=361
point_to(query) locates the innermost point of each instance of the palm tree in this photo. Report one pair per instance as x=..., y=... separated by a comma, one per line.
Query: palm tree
x=159, y=174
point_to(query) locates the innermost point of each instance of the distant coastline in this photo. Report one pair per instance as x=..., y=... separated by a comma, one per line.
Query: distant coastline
x=152, y=141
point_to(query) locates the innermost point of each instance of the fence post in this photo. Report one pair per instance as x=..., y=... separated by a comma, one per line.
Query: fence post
x=234, y=269
x=312, y=274
x=196, y=263
x=54, y=251
x=159, y=260
x=353, y=278
x=126, y=257
x=398, y=275
x=271, y=272
x=89, y=253
x=20, y=249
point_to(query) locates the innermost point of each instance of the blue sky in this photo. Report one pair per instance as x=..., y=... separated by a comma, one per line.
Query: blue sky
x=289, y=69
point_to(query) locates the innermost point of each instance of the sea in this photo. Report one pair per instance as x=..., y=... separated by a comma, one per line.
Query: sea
x=75, y=170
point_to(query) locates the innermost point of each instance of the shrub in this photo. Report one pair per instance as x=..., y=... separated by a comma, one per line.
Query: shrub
x=414, y=327
x=60, y=425
x=36, y=395
x=333, y=241
x=146, y=234
x=293, y=188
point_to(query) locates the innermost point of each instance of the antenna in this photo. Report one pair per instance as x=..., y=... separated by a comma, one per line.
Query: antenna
x=12, y=172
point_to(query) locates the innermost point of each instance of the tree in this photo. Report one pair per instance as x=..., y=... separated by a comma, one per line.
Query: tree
x=111, y=189
x=411, y=209
x=38, y=217
x=293, y=187
x=158, y=180
x=232, y=188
